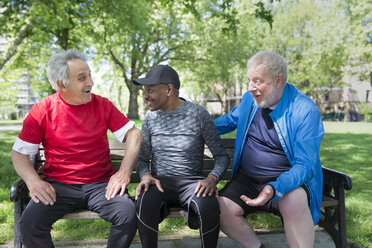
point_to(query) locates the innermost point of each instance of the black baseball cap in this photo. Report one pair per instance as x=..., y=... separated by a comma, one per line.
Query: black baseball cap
x=160, y=74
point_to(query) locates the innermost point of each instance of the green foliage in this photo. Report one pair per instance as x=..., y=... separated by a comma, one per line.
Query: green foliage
x=321, y=40
x=8, y=93
x=366, y=110
x=146, y=35
x=215, y=64
x=360, y=42
x=311, y=36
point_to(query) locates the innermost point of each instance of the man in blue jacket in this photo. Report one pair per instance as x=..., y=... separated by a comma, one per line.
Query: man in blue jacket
x=276, y=160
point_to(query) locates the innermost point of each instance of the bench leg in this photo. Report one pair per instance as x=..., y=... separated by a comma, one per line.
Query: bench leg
x=18, y=209
x=341, y=219
x=334, y=221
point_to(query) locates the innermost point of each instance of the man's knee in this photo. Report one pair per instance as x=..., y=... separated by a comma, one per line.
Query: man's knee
x=206, y=206
x=27, y=225
x=33, y=220
x=294, y=203
x=149, y=200
x=124, y=213
x=229, y=208
x=204, y=212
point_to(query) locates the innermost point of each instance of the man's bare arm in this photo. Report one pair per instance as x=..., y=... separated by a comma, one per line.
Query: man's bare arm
x=120, y=180
x=39, y=189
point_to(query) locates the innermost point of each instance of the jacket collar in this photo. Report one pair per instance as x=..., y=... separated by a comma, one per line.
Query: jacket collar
x=283, y=102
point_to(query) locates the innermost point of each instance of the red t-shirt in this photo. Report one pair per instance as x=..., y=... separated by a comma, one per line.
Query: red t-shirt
x=74, y=137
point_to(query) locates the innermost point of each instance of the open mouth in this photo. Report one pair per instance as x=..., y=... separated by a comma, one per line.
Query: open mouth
x=87, y=91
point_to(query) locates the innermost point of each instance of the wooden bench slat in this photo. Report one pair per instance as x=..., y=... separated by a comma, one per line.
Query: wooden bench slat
x=329, y=202
x=81, y=214
x=174, y=212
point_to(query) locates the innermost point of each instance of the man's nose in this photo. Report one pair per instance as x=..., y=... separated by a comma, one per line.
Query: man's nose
x=252, y=87
x=90, y=82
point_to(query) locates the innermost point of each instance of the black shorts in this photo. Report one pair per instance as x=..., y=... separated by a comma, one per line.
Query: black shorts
x=242, y=184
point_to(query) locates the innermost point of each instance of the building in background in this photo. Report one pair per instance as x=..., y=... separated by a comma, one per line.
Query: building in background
x=337, y=104
x=25, y=97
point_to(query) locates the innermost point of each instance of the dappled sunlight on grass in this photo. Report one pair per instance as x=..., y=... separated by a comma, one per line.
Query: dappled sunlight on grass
x=6, y=221
x=174, y=226
x=264, y=220
x=359, y=219
x=351, y=153
x=347, y=127
x=80, y=229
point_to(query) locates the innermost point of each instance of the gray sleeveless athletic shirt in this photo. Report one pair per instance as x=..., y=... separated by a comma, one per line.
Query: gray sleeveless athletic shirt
x=174, y=142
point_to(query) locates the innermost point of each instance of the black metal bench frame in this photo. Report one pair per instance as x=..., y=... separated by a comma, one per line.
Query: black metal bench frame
x=333, y=218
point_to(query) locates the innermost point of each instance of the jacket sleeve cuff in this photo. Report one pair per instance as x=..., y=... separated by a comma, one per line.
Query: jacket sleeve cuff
x=277, y=194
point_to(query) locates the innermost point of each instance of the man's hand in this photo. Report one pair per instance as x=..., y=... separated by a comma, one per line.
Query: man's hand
x=266, y=194
x=41, y=191
x=145, y=183
x=206, y=186
x=118, y=181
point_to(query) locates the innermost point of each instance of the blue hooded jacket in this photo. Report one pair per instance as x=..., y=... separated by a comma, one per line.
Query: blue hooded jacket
x=299, y=126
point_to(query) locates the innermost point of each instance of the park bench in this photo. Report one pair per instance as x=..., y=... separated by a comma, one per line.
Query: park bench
x=333, y=203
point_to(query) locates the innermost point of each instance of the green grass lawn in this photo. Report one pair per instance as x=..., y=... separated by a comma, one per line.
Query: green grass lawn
x=345, y=147
x=10, y=122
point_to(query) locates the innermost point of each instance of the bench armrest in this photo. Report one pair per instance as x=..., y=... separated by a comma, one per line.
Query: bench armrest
x=335, y=178
x=18, y=191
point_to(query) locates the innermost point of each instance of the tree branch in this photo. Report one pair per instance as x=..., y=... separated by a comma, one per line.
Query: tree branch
x=22, y=34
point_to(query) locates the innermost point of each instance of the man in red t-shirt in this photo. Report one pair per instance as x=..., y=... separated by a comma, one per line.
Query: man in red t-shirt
x=72, y=125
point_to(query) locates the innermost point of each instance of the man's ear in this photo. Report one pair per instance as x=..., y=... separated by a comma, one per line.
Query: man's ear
x=60, y=85
x=170, y=89
x=280, y=79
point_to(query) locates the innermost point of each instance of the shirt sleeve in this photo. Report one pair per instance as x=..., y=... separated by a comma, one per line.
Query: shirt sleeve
x=25, y=147
x=215, y=145
x=229, y=122
x=32, y=133
x=118, y=123
x=143, y=162
x=120, y=134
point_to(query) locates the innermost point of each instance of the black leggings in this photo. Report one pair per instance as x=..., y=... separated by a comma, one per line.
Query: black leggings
x=201, y=213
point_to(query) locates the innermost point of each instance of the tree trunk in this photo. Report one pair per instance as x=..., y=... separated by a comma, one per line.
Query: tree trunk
x=133, y=104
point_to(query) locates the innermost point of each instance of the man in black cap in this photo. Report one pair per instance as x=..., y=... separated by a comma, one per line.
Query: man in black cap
x=174, y=134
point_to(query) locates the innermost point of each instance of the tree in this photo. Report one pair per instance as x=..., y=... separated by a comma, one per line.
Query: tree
x=216, y=64
x=134, y=35
x=33, y=30
x=360, y=45
x=42, y=22
x=146, y=35
x=311, y=36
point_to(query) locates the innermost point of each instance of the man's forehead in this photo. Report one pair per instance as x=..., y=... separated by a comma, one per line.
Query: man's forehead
x=257, y=70
x=78, y=66
x=155, y=86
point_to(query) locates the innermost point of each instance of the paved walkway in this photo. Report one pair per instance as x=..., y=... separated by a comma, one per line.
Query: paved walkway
x=10, y=127
x=270, y=240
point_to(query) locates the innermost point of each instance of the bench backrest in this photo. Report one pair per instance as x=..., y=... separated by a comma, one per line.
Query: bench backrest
x=117, y=151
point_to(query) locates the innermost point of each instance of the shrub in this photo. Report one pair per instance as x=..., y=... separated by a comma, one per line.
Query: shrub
x=366, y=110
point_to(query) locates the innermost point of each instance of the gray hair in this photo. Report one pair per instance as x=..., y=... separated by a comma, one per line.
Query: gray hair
x=274, y=63
x=57, y=68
